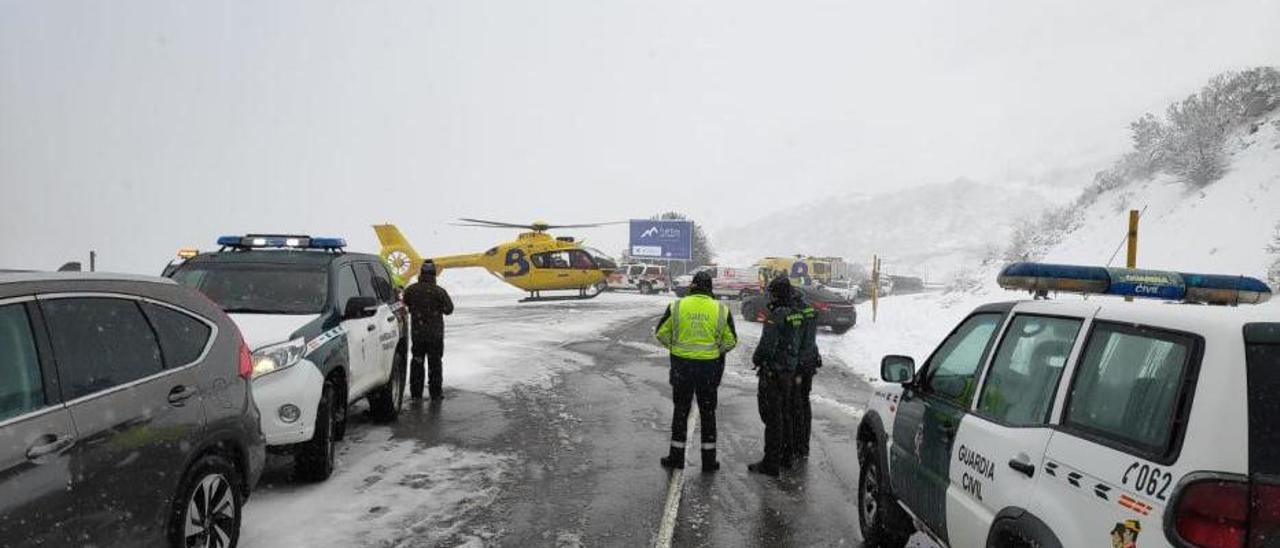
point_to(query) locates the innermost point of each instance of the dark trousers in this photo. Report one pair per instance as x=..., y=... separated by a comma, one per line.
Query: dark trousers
x=694, y=379
x=773, y=398
x=801, y=413
x=433, y=350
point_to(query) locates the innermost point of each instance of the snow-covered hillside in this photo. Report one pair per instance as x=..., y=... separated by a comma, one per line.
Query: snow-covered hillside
x=928, y=230
x=1222, y=228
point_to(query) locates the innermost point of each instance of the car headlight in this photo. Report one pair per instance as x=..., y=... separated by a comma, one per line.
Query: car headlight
x=270, y=359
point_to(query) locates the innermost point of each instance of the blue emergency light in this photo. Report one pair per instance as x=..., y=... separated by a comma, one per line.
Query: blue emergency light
x=1133, y=282
x=267, y=241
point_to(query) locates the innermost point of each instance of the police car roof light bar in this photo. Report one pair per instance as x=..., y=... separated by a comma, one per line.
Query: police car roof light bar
x=1130, y=282
x=295, y=241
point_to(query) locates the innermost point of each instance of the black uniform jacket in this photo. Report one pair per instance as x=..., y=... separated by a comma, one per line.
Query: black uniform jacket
x=428, y=304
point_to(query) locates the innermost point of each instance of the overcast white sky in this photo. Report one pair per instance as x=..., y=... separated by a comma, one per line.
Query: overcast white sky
x=137, y=127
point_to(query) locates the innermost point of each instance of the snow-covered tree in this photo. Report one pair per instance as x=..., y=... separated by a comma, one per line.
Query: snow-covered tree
x=1274, y=249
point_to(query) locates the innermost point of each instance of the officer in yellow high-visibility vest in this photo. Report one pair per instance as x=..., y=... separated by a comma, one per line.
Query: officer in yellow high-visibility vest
x=699, y=331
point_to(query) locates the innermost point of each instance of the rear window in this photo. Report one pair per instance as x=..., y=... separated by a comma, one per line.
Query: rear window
x=260, y=288
x=1128, y=387
x=1262, y=352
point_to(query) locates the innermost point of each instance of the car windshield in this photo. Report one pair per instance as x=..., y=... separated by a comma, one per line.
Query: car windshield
x=260, y=288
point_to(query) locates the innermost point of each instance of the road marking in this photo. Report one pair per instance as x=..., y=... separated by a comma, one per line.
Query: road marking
x=675, y=486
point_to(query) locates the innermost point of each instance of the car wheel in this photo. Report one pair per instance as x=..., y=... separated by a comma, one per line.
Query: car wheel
x=841, y=329
x=314, y=461
x=386, y=402
x=206, y=512
x=644, y=288
x=883, y=523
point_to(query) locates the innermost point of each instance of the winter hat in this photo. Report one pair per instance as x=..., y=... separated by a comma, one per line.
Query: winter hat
x=780, y=288
x=701, y=281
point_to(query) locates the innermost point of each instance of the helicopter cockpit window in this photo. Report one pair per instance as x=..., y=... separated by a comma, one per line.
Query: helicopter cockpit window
x=600, y=259
x=581, y=260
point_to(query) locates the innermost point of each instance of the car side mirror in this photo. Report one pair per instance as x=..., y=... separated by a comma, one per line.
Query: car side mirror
x=360, y=307
x=897, y=369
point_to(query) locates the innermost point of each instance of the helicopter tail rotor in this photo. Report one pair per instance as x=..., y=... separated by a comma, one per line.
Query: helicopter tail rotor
x=399, y=255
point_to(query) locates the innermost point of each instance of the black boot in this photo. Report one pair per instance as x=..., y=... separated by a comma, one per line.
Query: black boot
x=709, y=463
x=764, y=467
x=415, y=378
x=674, y=460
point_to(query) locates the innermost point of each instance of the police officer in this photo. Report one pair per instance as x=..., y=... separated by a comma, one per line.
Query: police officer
x=809, y=362
x=776, y=359
x=428, y=303
x=699, y=331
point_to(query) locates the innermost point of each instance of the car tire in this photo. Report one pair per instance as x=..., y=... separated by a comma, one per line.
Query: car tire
x=645, y=289
x=314, y=459
x=212, y=482
x=883, y=523
x=841, y=329
x=385, y=402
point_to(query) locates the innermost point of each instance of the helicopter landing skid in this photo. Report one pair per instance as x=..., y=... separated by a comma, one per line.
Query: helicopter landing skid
x=536, y=296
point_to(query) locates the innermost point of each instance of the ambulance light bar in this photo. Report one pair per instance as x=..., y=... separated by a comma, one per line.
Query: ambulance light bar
x=1130, y=282
x=259, y=241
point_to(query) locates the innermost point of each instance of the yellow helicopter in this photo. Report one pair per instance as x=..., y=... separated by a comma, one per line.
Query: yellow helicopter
x=535, y=262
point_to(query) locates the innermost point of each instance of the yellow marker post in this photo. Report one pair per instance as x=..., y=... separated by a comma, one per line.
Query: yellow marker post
x=1132, y=259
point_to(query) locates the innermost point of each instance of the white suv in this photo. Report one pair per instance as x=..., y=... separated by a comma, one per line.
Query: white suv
x=1081, y=423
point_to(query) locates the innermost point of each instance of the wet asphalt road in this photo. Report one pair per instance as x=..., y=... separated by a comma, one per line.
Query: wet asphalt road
x=589, y=445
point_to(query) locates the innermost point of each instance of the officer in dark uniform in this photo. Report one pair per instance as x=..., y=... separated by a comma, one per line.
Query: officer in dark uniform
x=776, y=359
x=698, y=330
x=428, y=304
x=810, y=361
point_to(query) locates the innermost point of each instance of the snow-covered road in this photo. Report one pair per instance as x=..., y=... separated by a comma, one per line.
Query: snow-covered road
x=555, y=416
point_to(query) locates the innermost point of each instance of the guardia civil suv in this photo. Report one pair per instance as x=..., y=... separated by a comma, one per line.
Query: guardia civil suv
x=1098, y=422
x=326, y=328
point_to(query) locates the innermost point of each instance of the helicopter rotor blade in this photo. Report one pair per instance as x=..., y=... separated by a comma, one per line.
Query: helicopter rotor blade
x=588, y=225
x=473, y=225
x=494, y=223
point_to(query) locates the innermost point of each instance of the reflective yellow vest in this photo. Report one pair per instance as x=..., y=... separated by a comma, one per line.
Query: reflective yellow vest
x=697, y=329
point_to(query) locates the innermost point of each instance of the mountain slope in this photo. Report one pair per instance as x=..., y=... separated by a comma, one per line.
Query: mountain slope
x=928, y=230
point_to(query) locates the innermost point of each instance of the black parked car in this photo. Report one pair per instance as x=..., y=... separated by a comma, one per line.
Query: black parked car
x=834, y=311
x=126, y=417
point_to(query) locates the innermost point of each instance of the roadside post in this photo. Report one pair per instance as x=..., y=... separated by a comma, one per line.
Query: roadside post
x=875, y=287
x=1132, y=260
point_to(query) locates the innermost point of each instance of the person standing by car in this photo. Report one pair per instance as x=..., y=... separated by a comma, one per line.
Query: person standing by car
x=809, y=361
x=699, y=331
x=775, y=360
x=428, y=304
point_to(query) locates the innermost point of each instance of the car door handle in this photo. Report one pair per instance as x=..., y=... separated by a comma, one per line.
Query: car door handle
x=1022, y=466
x=53, y=445
x=391, y=318
x=180, y=393
x=371, y=327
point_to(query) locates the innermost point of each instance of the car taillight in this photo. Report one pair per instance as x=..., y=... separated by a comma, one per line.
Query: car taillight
x=1264, y=529
x=246, y=362
x=1213, y=513
x=822, y=306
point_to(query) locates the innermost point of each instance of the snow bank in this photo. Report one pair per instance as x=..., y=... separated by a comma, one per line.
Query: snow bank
x=907, y=324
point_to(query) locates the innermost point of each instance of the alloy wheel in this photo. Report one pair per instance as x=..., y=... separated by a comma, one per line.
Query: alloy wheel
x=211, y=514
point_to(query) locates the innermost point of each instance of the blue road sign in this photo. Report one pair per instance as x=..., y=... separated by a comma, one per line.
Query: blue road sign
x=662, y=239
